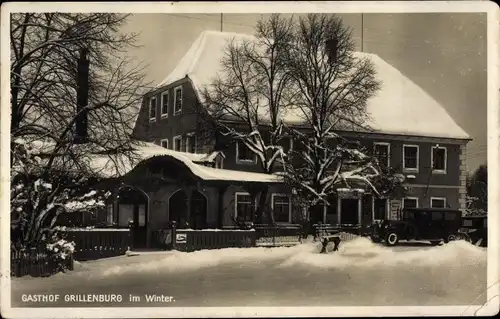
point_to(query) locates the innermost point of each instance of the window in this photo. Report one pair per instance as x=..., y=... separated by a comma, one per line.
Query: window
x=164, y=104
x=109, y=214
x=282, y=208
x=243, y=207
x=438, y=159
x=410, y=157
x=177, y=143
x=380, y=208
x=178, y=100
x=438, y=216
x=382, y=153
x=191, y=143
x=164, y=143
x=438, y=202
x=152, y=109
x=244, y=154
x=410, y=202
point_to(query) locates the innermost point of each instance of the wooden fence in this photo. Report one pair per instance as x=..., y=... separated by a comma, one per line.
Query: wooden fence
x=190, y=240
x=278, y=235
x=36, y=263
x=99, y=242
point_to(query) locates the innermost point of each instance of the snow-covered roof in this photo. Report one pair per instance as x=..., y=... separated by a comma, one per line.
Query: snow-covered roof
x=147, y=151
x=400, y=106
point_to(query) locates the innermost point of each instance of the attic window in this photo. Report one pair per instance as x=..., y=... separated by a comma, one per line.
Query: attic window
x=178, y=100
x=152, y=109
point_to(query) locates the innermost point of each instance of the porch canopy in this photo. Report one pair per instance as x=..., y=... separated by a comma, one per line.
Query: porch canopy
x=151, y=164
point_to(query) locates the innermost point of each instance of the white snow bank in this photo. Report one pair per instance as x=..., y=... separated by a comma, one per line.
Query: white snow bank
x=360, y=253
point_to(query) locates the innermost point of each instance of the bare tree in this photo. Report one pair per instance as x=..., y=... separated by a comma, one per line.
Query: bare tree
x=333, y=85
x=247, y=101
x=44, y=82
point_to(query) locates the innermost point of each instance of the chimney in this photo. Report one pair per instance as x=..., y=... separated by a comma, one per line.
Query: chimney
x=82, y=98
x=332, y=49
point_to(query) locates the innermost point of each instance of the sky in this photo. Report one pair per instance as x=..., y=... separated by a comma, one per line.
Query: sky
x=444, y=53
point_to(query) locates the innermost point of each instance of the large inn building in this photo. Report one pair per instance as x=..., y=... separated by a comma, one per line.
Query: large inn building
x=209, y=183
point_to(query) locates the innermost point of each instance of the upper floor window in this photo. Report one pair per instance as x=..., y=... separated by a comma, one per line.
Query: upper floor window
x=410, y=157
x=164, y=143
x=382, y=153
x=244, y=154
x=282, y=208
x=438, y=159
x=177, y=143
x=164, y=104
x=178, y=100
x=191, y=143
x=243, y=207
x=152, y=109
x=438, y=202
x=410, y=202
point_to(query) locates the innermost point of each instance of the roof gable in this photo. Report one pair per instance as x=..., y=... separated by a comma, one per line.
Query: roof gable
x=399, y=107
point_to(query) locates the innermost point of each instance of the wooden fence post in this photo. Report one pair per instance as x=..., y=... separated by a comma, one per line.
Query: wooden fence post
x=174, y=235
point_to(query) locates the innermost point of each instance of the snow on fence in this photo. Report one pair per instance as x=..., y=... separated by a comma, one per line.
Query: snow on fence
x=36, y=262
x=191, y=240
x=99, y=243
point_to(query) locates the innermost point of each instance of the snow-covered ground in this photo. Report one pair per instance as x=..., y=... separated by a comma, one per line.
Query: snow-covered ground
x=360, y=273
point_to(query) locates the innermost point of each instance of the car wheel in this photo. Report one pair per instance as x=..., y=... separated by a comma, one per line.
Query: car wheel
x=391, y=238
x=435, y=242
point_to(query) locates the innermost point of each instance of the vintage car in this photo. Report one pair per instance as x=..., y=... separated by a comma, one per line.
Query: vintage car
x=475, y=229
x=429, y=224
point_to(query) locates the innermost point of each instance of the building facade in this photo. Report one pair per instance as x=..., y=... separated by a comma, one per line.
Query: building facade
x=429, y=150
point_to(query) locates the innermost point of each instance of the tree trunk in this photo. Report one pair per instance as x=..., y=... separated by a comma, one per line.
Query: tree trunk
x=263, y=217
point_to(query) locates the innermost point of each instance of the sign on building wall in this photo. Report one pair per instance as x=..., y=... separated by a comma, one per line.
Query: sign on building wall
x=395, y=207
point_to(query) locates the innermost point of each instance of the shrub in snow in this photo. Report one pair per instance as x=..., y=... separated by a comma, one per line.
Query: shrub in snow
x=59, y=250
x=37, y=203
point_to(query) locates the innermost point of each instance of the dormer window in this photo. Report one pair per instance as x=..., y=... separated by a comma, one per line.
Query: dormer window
x=178, y=100
x=164, y=104
x=244, y=154
x=152, y=109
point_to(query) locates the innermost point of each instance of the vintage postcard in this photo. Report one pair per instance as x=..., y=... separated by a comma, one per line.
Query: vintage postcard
x=249, y=159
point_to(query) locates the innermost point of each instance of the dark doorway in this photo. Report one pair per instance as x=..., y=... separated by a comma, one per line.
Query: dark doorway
x=177, y=208
x=349, y=211
x=198, y=210
x=316, y=214
x=133, y=213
